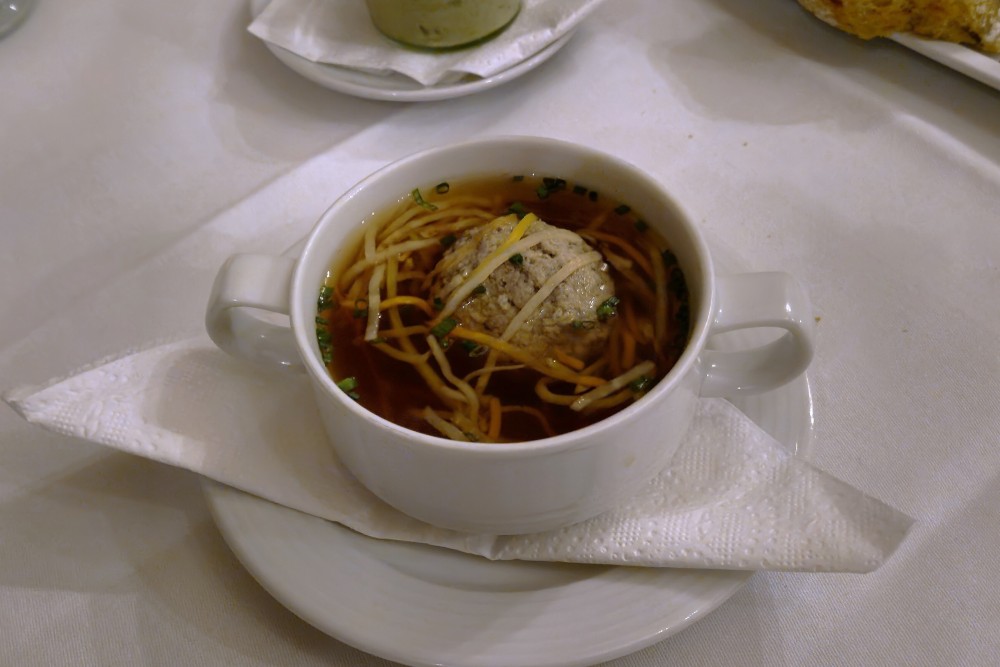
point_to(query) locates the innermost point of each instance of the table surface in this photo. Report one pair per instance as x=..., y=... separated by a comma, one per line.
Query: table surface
x=145, y=142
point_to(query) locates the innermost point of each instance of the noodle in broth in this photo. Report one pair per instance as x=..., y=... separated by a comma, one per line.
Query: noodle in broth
x=395, y=331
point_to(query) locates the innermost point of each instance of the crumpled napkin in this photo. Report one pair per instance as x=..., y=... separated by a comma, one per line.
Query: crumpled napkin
x=340, y=32
x=732, y=498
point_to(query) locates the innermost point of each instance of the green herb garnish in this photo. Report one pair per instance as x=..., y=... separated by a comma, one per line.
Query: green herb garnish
x=444, y=327
x=438, y=303
x=592, y=195
x=449, y=240
x=608, y=309
x=479, y=289
x=641, y=384
x=518, y=209
x=583, y=324
x=517, y=259
x=348, y=384
x=419, y=199
x=360, y=309
x=641, y=226
x=322, y=321
x=325, y=302
x=622, y=209
x=579, y=190
x=442, y=188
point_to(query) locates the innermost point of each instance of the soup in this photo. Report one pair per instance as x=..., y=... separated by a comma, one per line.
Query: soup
x=503, y=309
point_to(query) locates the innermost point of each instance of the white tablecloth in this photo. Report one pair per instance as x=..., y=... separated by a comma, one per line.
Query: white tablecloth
x=145, y=142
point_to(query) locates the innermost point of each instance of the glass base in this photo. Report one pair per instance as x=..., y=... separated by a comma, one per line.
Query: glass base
x=13, y=13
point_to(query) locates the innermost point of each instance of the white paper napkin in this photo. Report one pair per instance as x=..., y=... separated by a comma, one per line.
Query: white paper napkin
x=733, y=498
x=340, y=32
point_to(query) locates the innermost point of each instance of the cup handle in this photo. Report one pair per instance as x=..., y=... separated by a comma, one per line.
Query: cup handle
x=752, y=300
x=246, y=283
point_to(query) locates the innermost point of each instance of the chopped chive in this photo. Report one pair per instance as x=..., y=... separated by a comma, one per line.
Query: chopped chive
x=444, y=327
x=517, y=259
x=449, y=240
x=442, y=188
x=327, y=355
x=608, y=309
x=542, y=192
x=438, y=303
x=641, y=384
x=518, y=178
x=323, y=336
x=518, y=208
x=583, y=324
x=579, y=190
x=354, y=395
x=360, y=309
x=592, y=195
x=479, y=289
x=324, y=302
x=419, y=199
x=348, y=384
x=468, y=345
x=322, y=321
x=641, y=225
x=622, y=209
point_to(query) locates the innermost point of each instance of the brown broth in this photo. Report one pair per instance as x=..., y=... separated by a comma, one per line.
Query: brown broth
x=395, y=391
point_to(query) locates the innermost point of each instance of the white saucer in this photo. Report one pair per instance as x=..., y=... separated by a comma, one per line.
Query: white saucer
x=423, y=606
x=399, y=88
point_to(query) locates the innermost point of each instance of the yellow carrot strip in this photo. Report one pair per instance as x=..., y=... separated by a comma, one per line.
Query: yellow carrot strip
x=415, y=330
x=382, y=255
x=612, y=386
x=546, y=367
x=568, y=360
x=534, y=412
x=496, y=369
x=628, y=348
x=471, y=398
x=399, y=355
x=444, y=427
x=374, y=296
x=626, y=247
x=394, y=301
x=495, y=416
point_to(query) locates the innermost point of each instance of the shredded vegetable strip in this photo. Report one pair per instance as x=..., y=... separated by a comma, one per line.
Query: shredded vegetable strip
x=444, y=427
x=628, y=348
x=470, y=396
x=487, y=267
x=625, y=246
x=395, y=301
x=374, y=296
x=496, y=416
x=534, y=412
x=568, y=360
x=553, y=368
x=450, y=396
x=610, y=387
x=543, y=392
x=556, y=279
x=415, y=330
x=408, y=246
x=429, y=220
x=495, y=369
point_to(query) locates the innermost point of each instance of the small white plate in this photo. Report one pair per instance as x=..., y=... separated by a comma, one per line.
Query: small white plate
x=982, y=67
x=395, y=87
x=423, y=606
